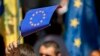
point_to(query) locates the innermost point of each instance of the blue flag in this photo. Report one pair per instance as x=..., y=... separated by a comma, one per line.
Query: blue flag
x=1, y=7
x=81, y=28
x=37, y=19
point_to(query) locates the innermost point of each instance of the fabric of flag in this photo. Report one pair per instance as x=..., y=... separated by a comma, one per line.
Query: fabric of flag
x=12, y=17
x=36, y=19
x=81, y=28
x=1, y=7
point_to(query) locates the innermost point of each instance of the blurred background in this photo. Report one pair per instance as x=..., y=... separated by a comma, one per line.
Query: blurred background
x=12, y=12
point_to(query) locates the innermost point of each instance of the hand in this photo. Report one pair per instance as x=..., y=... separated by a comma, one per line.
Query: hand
x=62, y=8
x=10, y=48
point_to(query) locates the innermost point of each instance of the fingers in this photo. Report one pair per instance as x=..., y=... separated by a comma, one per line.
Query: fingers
x=11, y=47
x=15, y=44
x=7, y=51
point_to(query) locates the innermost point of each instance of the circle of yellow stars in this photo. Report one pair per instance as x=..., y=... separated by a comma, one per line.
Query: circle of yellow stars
x=77, y=3
x=74, y=22
x=77, y=42
x=41, y=21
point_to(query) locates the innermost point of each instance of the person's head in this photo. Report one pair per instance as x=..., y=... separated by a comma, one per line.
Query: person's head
x=95, y=53
x=49, y=48
x=23, y=50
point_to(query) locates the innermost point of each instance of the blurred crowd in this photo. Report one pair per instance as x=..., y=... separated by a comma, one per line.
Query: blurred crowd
x=46, y=42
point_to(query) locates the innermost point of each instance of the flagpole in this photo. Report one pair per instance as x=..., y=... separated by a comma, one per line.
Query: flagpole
x=18, y=22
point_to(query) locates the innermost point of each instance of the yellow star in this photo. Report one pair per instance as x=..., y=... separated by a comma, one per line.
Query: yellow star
x=77, y=3
x=74, y=22
x=77, y=42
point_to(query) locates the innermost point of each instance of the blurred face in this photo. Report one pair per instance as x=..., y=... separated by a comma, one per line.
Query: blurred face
x=50, y=51
x=95, y=53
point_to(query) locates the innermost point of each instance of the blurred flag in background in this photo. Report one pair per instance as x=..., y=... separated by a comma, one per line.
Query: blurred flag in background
x=81, y=28
x=1, y=7
x=12, y=18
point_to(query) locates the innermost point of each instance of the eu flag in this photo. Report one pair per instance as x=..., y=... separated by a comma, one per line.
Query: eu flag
x=1, y=7
x=81, y=28
x=37, y=19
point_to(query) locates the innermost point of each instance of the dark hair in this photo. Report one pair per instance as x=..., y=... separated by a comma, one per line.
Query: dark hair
x=23, y=50
x=48, y=44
